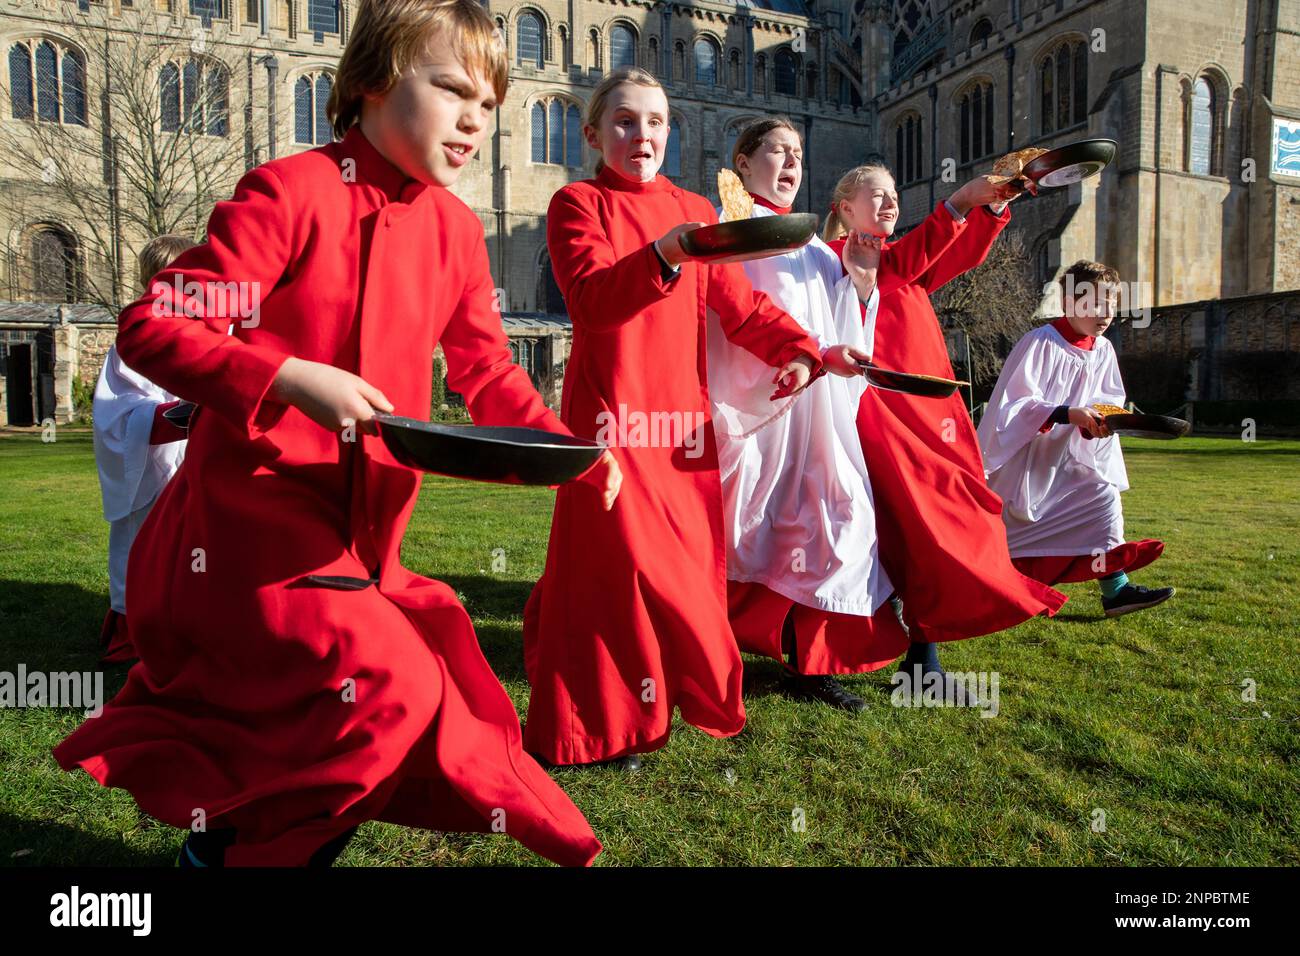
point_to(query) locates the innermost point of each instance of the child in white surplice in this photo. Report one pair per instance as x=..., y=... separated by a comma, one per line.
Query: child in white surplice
x=137, y=451
x=1050, y=456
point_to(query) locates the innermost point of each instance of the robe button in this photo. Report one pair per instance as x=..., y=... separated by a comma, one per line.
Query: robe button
x=676, y=193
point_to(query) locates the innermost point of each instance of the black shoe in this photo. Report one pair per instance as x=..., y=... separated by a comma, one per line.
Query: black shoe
x=825, y=688
x=1134, y=597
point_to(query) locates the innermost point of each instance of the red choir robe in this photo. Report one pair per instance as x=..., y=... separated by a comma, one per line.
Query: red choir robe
x=288, y=710
x=1069, y=568
x=942, y=539
x=629, y=619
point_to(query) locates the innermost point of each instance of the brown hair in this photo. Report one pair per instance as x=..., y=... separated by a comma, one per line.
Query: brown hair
x=751, y=137
x=610, y=82
x=1091, y=273
x=387, y=38
x=846, y=189
x=159, y=253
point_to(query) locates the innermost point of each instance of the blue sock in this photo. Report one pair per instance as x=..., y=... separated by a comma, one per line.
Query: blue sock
x=1112, y=584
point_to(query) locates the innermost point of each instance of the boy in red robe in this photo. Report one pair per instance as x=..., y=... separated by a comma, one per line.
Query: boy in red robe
x=629, y=619
x=277, y=704
x=941, y=534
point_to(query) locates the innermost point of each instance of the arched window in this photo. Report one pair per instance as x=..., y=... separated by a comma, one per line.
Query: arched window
x=760, y=74
x=195, y=98
x=976, y=121
x=622, y=47
x=593, y=49
x=549, y=298
x=652, y=57
x=53, y=256
x=1201, y=153
x=323, y=16
x=556, y=133
x=810, y=81
x=572, y=137
x=679, y=61
x=982, y=30
x=907, y=148
x=47, y=82
x=1063, y=87
x=528, y=40
x=311, y=94
x=787, y=75
x=733, y=70
x=537, y=126
x=566, y=51
x=706, y=64
x=673, y=152
x=1043, y=272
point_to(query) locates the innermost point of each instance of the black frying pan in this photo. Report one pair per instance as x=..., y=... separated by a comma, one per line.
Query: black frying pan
x=1147, y=426
x=1071, y=163
x=747, y=239
x=908, y=383
x=513, y=456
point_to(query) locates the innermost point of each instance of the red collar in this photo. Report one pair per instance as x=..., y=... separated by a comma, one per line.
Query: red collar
x=1068, y=333
x=612, y=180
x=372, y=168
x=779, y=210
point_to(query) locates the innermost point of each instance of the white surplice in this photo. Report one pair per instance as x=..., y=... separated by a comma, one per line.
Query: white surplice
x=799, y=512
x=132, y=473
x=1060, y=490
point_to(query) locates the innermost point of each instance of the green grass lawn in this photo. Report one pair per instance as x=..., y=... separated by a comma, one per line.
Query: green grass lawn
x=1141, y=717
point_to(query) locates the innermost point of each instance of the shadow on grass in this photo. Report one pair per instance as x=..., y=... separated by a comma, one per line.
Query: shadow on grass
x=57, y=844
x=51, y=626
x=488, y=596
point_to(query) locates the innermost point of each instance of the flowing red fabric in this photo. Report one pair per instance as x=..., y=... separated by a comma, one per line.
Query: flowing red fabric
x=825, y=642
x=942, y=540
x=1064, y=569
x=629, y=619
x=263, y=700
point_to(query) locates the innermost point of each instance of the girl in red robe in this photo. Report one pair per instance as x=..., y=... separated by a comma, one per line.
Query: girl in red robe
x=629, y=619
x=942, y=539
x=294, y=679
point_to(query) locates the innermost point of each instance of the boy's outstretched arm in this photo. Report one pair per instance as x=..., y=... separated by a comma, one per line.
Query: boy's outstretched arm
x=170, y=337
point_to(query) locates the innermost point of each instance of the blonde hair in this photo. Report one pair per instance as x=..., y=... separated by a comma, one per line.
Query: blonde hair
x=611, y=82
x=389, y=35
x=846, y=189
x=159, y=253
x=751, y=137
